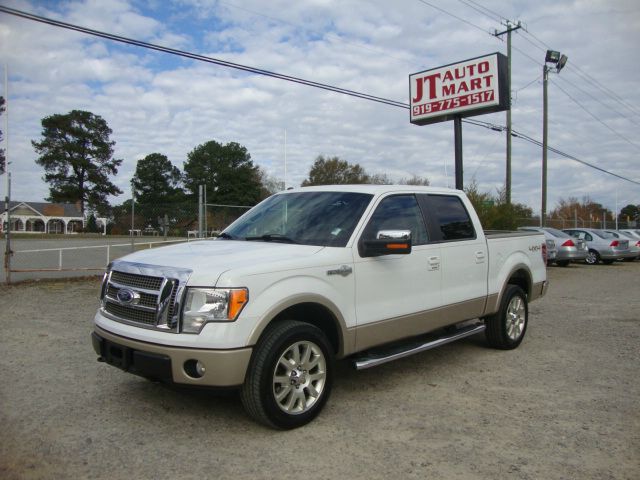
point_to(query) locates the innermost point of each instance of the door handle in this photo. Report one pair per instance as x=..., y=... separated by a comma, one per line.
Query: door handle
x=480, y=256
x=434, y=263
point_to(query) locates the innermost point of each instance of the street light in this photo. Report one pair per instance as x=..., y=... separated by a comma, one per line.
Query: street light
x=558, y=61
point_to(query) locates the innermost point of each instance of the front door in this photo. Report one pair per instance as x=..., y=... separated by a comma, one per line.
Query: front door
x=398, y=287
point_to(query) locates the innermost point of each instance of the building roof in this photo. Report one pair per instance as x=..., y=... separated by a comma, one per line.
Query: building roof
x=50, y=209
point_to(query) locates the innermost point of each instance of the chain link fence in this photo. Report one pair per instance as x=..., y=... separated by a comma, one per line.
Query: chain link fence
x=562, y=223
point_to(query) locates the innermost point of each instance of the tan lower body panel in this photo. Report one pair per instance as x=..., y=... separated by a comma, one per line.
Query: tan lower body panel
x=538, y=290
x=386, y=331
x=223, y=368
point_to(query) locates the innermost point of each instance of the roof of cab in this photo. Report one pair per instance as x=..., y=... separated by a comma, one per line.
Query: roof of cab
x=373, y=189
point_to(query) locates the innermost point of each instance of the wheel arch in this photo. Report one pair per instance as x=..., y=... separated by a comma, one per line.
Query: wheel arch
x=520, y=275
x=314, y=310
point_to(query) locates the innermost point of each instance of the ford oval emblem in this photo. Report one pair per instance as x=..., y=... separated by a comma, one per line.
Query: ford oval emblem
x=126, y=296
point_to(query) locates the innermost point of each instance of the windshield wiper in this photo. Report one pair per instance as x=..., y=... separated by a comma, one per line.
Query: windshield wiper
x=226, y=236
x=272, y=237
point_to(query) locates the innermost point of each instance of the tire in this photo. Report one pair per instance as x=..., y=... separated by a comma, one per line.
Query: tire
x=506, y=328
x=593, y=258
x=608, y=262
x=563, y=263
x=290, y=375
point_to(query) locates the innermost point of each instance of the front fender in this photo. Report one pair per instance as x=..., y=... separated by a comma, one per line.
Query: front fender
x=335, y=295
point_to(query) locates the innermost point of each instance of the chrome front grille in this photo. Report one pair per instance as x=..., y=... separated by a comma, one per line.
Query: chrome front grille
x=137, y=281
x=144, y=295
x=131, y=313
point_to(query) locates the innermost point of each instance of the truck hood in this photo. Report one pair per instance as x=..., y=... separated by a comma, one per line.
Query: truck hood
x=209, y=259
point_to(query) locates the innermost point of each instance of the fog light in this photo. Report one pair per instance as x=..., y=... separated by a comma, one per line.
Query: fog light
x=194, y=368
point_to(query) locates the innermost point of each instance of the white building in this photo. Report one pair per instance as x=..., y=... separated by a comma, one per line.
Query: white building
x=40, y=217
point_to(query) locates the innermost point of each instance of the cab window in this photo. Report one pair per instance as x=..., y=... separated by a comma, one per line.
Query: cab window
x=399, y=212
x=449, y=218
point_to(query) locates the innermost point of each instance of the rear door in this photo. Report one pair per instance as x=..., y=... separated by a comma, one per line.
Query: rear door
x=463, y=252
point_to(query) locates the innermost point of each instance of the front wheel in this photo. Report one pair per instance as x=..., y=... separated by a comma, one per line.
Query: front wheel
x=506, y=328
x=290, y=375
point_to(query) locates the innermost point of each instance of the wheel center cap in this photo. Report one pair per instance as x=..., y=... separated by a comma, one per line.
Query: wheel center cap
x=298, y=377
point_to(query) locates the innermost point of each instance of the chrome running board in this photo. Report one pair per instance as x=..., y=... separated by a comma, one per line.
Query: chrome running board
x=378, y=357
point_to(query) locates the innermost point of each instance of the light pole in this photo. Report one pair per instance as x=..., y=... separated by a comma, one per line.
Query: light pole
x=559, y=60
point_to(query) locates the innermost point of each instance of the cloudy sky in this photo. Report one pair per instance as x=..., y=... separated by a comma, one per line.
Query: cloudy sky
x=156, y=102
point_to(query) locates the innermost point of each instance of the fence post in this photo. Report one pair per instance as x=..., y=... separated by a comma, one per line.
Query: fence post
x=60, y=259
x=200, y=209
x=108, y=253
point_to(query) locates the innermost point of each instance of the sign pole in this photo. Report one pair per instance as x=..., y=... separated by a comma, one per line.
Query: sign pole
x=457, y=133
x=458, y=90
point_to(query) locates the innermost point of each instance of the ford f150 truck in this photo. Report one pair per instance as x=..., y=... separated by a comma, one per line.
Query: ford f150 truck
x=369, y=273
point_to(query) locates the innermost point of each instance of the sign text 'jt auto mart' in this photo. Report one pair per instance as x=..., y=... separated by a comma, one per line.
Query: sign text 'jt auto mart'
x=464, y=89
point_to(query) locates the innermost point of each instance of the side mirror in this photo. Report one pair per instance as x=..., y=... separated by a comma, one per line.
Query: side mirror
x=387, y=242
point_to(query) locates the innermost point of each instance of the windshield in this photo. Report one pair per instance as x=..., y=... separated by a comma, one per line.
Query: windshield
x=307, y=218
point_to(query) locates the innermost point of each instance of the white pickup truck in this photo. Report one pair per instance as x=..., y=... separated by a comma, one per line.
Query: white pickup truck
x=372, y=273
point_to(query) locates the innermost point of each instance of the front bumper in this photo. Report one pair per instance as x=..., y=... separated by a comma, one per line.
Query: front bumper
x=223, y=368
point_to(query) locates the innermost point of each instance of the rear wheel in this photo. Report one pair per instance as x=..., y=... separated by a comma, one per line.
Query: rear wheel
x=506, y=328
x=593, y=257
x=290, y=375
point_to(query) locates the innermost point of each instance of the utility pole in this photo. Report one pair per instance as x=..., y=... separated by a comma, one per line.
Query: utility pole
x=511, y=26
x=200, y=210
x=133, y=215
x=559, y=61
x=7, y=234
x=545, y=80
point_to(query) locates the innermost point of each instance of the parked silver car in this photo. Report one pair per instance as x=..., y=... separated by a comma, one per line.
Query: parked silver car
x=634, y=243
x=603, y=246
x=567, y=248
x=632, y=232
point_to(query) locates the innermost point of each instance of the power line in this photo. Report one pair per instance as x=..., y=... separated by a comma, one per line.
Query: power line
x=571, y=157
x=481, y=10
x=456, y=17
x=598, y=100
x=595, y=117
x=529, y=84
x=585, y=76
x=279, y=76
x=610, y=93
x=202, y=58
x=501, y=17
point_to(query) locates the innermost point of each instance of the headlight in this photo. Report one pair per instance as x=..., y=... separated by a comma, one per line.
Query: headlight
x=204, y=305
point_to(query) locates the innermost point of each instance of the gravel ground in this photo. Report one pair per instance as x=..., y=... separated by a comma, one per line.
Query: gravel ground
x=564, y=405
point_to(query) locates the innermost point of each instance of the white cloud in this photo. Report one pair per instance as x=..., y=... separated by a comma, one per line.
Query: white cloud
x=159, y=103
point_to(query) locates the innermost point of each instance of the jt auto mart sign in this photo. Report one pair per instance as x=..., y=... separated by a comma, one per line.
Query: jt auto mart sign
x=464, y=89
